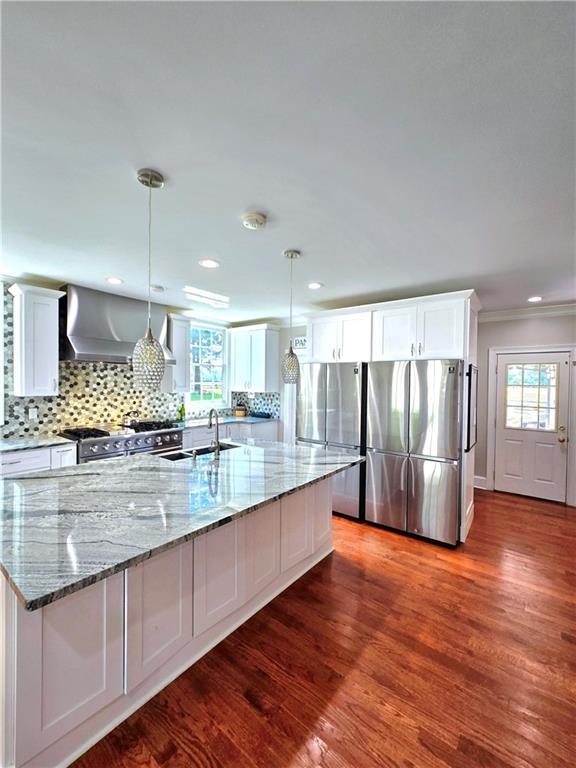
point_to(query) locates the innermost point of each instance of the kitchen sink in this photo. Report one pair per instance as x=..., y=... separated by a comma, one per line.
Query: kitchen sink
x=193, y=452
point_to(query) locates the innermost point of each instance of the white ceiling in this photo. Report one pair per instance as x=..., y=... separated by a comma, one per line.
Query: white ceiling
x=405, y=148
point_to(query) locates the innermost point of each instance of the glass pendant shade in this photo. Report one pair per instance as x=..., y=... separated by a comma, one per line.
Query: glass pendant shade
x=148, y=358
x=290, y=367
x=148, y=362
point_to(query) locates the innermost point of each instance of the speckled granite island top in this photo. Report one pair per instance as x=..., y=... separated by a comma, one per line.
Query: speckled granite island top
x=68, y=528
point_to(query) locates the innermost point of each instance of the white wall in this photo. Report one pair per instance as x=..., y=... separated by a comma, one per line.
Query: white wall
x=519, y=332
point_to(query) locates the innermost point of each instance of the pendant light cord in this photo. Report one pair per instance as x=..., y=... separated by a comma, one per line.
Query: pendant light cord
x=149, y=250
x=291, y=285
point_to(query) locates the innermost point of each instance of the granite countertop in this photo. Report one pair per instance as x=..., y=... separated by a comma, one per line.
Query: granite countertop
x=24, y=443
x=65, y=529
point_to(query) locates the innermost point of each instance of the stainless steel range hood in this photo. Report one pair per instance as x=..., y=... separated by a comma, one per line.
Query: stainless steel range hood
x=104, y=327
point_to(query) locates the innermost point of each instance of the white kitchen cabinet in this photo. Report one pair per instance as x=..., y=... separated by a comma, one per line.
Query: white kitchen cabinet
x=158, y=611
x=322, y=514
x=254, y=359
x=180, y=348
x=35, y=340
x=420, y=329
x=441, y=327
x=297, y=526
x=219, y=574
x=394, y=333
x=340, y=338
x=14, y=463
x=238, y=431
x=262, y=548
x=197, y=437
x=63, y=456
x=69, y=663
x=261, y=430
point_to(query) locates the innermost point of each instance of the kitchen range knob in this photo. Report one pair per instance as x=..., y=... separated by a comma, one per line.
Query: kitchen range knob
x=175, y=438
x=148, y=441
x=159, y=440
x=117, y=444
x=106, y=447
x=128, y=443
x=138, y=442
x=93, y=448
x=166, y=438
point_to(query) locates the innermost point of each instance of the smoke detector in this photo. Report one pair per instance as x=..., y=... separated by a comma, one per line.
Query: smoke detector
x=254, y=220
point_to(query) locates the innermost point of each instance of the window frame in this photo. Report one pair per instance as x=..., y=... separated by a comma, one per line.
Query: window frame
x=193, y=407
x=538, y=408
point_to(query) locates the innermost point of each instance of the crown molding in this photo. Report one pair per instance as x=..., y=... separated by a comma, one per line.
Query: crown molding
x=526, y=313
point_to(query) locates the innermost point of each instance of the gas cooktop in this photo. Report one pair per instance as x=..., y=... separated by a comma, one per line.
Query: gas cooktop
x=83, y=433
x=152, y=426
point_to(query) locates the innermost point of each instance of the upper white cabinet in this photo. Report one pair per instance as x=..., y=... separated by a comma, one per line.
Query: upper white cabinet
x=340, y=338
x=254, y=359
x=441, y=328
x=394, y=333
x=35, y=340
x=177, y=377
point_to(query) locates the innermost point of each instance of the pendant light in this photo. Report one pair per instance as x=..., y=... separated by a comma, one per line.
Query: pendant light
x=290, y=364
x=148, y=358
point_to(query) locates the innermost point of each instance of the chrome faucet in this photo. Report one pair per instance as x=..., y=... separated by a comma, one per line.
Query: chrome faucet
x=214, y=412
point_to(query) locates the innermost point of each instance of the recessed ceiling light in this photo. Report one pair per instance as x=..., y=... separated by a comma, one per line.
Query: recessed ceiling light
x=315, y=285
x=209, y=263
x=114, y=280
x=535, y=299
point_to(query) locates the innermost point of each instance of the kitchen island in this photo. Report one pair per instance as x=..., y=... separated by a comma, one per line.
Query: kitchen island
x=120, y=574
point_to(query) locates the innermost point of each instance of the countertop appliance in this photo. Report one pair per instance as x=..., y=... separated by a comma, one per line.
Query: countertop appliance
x=109, y=441
x=329, y=415
x=413, y=439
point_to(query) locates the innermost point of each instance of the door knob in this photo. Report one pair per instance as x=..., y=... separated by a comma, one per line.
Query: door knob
x=561, y=439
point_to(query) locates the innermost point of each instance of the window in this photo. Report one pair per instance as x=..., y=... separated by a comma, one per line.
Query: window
x=206, y=367
x=531, y=396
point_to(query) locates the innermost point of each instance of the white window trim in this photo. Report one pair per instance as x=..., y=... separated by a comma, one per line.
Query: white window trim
x=195, y=407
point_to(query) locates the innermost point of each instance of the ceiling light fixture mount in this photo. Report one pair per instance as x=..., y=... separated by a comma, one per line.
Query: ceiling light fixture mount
x=254, y=220
x=290, y=363
x=148, y=358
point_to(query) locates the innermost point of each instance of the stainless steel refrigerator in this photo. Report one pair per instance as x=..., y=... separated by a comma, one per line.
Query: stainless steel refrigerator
x=413, y=436
x=329, y=415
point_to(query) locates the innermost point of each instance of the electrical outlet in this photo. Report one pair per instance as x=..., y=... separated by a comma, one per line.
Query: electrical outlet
x=32, y=414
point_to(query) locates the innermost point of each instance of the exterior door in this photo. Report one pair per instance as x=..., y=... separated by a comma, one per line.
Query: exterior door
x=532, y=424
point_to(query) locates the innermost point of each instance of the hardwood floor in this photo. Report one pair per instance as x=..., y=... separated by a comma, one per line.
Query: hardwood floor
x=392, y=653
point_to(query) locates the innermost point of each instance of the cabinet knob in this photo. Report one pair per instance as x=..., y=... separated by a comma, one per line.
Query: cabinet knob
x=419, y=347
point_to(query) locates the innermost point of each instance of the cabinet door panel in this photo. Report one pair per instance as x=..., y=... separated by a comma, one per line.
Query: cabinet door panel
x=240, y=361
x=323, y=514
x=158, y=611
x=441, y=329
x=64, y=456
x=257, y=377
x=297, y=527
x=394, y=333
x=323, y=339
x=219, y=574
x=262, y=548
x=21, y=462
x=355, y=338
x=267, y=430
x=69, y=663
x=180, y=331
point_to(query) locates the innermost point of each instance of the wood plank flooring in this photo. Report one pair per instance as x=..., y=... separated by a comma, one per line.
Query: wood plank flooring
x=391, y=653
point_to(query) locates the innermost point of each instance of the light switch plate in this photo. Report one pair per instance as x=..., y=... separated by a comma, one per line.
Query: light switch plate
x=32, y=413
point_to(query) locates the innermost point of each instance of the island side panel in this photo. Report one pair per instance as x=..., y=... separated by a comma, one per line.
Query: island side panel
x=61, y=745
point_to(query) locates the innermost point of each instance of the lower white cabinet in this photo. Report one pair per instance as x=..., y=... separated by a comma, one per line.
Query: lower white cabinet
x=159, y=597
x=297, y=527
x=14, y=463
x=69, y=663
x=219, y=574
x=262, y=548
x=63, y=456
x=322, y=514
x=196, y=437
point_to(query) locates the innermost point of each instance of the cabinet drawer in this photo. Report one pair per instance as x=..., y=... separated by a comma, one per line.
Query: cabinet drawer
x=21, y=462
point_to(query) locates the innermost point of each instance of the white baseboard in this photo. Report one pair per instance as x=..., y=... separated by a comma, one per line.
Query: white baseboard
x=480, y=482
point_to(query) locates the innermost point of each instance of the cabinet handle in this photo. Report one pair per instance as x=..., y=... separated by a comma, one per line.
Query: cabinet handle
x=16, y=461
x=333, y=353
x=412, y=349
x=339, y=353
x=53, y=385
x=419, y=347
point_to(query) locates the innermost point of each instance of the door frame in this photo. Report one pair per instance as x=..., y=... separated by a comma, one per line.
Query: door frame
x=493, y=353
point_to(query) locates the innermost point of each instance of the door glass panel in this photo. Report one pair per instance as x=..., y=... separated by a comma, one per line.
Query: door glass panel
x=531, y=396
